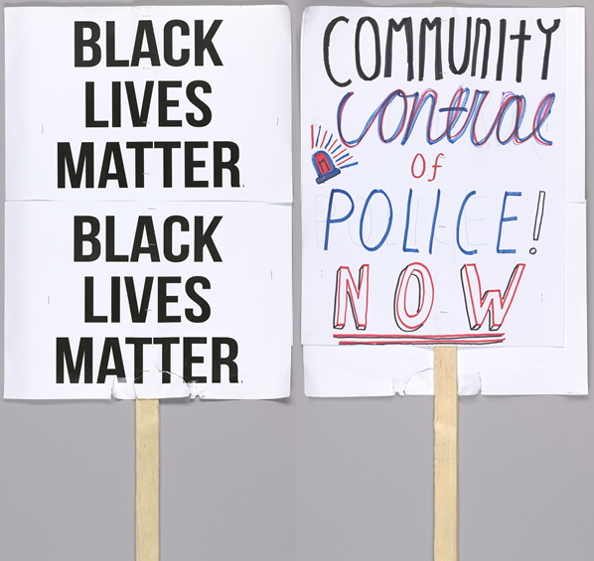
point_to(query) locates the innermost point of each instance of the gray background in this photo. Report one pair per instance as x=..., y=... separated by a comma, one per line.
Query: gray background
x=302, y=479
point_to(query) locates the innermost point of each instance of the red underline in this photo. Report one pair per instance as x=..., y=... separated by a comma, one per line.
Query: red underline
x=424, y=342
x=412, y=339
x=413, y=336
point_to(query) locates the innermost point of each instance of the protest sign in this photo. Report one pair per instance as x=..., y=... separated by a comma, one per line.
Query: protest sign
x=443, y=199
x=443, y=208
x=148, y=215
x=148, y=187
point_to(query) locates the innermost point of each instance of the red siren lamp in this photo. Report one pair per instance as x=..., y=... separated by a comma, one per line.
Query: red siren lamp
x=324, y=166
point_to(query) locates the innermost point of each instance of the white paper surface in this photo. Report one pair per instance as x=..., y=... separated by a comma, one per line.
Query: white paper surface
x=235, y=306
x=148, y=215
x=554, y=273
x=47, y=102
x=362, y=371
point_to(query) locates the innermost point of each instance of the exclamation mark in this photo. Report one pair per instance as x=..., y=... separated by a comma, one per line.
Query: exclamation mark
x=538, y=219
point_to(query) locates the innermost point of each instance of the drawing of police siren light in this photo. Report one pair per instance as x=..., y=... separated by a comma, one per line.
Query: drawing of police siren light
x=331, y=156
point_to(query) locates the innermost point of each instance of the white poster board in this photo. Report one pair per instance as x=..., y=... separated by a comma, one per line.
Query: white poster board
x=148, y=213
x=443, y=199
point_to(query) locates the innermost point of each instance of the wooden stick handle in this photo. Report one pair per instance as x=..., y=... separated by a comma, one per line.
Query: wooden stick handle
x=445, y=544
x=147, y=480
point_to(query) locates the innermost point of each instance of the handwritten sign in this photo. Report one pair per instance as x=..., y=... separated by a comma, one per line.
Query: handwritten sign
x=146, y=252
x=434, y=190
x=435, y=148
